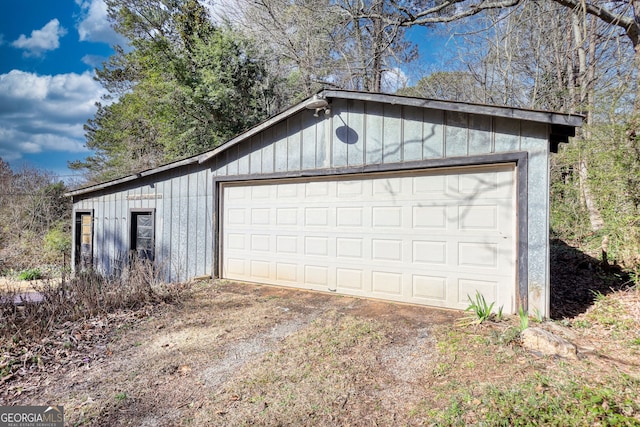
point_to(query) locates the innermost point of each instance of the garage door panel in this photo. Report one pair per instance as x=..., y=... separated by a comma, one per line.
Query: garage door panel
x=316, y=246
x=430, y=217
x=429, y=252
x=260, y=243
x=316, y=275
x=388, y=284
x=467, y=289
x=424, y=237
x=349, y=217
x=478, y=254
x=426, y=287
x=287, y=244
x=349, y=278
x=387, y=250
x=286, y=272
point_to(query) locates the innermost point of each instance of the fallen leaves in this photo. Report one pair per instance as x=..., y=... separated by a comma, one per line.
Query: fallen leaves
x=69, y=345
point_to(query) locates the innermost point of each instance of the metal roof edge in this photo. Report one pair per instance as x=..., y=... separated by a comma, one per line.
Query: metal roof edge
x=123, y=180
x=562, y=119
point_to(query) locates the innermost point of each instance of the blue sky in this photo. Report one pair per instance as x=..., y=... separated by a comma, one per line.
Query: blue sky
x=48, y=53
x=49, y=50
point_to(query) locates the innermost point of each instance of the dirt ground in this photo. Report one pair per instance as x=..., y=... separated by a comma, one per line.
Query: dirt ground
x=243, y=354
x=22, y=286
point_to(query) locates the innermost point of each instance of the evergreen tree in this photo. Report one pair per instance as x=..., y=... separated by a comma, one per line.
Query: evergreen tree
x=183, y=86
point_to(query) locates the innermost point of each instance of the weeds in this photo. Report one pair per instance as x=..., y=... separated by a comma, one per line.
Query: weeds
x=30, y=274
x=87, y=294
x=524, y=318
x=481, y=311
x=538, y=401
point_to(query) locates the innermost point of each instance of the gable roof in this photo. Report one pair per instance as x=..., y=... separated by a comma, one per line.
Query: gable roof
x=562, y=125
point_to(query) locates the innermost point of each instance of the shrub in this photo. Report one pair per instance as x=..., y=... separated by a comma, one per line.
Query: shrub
x=57, y=240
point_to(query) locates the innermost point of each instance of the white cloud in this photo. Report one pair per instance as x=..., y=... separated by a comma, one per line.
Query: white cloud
x=394, y=79
x=39, y=114
x=47, y=38
x=94, y=23
x=94, y=61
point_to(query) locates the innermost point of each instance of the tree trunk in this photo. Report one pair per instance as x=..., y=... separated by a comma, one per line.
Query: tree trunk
x=579, y=26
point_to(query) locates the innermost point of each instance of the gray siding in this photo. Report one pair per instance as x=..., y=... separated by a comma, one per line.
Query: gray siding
x=356, y=133
x=179, y=199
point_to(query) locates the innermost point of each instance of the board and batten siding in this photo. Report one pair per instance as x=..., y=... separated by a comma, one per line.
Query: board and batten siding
x=357, y=133
x=183, y=210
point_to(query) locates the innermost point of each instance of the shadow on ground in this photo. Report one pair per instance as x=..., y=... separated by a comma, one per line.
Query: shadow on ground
x=576, y=279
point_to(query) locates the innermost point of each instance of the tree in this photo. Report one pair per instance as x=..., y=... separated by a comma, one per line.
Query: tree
x=622, y=16
x=340, y=43
x=448, y=85
x=32, y=202
x=184, y=87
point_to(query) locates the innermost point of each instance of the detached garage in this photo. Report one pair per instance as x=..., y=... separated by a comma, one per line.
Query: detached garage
x=372, y=195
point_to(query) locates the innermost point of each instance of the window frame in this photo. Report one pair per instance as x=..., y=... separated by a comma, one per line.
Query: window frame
x=133, y=232
x=77, y=239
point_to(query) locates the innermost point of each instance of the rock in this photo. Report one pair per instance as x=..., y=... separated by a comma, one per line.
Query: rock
x=547, y=343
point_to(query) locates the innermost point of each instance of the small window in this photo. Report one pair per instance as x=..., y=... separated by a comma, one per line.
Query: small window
x=143, y=235
x=84, y=240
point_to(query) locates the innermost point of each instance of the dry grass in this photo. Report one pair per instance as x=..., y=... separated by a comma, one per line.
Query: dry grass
x=13, y=285
x=239, y=354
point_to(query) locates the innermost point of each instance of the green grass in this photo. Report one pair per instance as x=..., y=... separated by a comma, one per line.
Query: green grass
x=542, y=401
x=30, y=274
x=608, y=312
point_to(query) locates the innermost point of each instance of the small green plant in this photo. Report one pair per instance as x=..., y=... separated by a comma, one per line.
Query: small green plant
x=499, y=315
x=30, y=274
x=581, y=323
x=509, y=336
x=480, y=309
x=537, y=315
x=121, y=396
x=524, y=318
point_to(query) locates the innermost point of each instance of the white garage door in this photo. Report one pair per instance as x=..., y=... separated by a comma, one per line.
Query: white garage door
x=429, y=237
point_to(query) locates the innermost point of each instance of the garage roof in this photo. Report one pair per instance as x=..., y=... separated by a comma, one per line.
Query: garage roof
x=562, y=125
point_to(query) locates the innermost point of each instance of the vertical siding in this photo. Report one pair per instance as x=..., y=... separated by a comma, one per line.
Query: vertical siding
x=163, y=234
x=294, y=153
x=433, y=134
x=507, y=135
x=392, y=134
x=533, y=140
x=267, y=151
x=309, y=142
x=374, y=135
x=456, y=136
x=280, y=147
x=480, y=135
x=185, y=229
x=339, y=134
x=413, y=133
x=355, y=133
x=244, y=158
x=256, y=155
x=322, y=144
